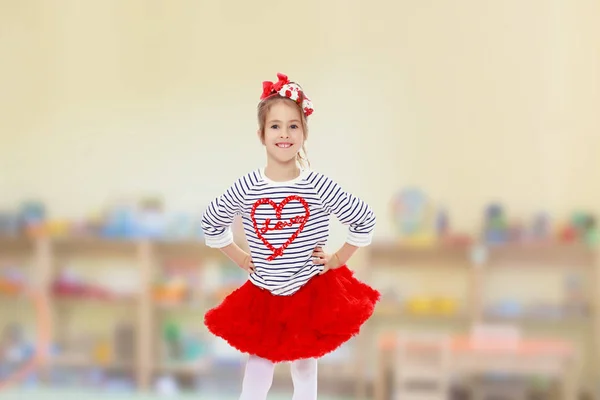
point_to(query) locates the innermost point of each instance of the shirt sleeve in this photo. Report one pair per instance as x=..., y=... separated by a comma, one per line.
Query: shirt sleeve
x=218, y=217
x=349, y=210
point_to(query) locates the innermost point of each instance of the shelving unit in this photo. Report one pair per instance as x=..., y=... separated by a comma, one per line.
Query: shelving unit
x=476, y=273
x=472, y=272
x=47, y=255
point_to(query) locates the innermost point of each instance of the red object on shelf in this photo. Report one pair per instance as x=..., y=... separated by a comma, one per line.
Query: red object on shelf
x=568, y=234
x=82, y=291
x=9, y=287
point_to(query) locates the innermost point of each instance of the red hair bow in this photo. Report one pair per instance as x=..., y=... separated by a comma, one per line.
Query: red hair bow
x=269, y=87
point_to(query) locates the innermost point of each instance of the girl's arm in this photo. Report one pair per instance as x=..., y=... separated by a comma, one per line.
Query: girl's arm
x=349, y=210
x=217, y=220
x=236, y=254
x=344, y=253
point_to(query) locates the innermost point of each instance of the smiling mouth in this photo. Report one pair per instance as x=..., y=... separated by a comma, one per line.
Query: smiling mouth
x=284, y=145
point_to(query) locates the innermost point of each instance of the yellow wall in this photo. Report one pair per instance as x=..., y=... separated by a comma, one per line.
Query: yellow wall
x=472, y=100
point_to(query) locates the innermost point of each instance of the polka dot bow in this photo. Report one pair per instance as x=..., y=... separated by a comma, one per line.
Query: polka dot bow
x=283, y=87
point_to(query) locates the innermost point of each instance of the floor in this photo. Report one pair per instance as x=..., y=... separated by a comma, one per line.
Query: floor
x=78, y=395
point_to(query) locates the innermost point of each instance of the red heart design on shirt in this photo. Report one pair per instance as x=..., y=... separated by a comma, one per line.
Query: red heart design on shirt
x=301, y=219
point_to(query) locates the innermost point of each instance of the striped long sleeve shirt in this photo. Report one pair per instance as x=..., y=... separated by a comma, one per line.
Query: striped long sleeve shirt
x=284, y=222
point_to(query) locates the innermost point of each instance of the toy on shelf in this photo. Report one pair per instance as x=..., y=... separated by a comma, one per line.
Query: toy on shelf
x=150, y=219
x=581, y=227
x=32, y=215
x=495, y=225
x=498, y=230
x=505, y=309
x=14, y=346
x=28, y=219
x=16, y=351
x=102, y=353
x=12, y=281
x=178, y=283
x=119, y=221
x=181, y=346
x=172, y=291
x=432, y=306
x=70, y=284
x=586, y=227
x=412, y=215
x=418, y=223
x=181, y=227
x=227, y=278
x=445, y=306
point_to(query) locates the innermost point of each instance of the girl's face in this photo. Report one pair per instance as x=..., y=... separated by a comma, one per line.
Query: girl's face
x=283, y=136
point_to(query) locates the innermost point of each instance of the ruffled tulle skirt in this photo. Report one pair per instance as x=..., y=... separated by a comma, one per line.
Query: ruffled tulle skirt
x=325, y=313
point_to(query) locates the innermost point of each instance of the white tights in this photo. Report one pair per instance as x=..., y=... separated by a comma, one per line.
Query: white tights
x=259, y=377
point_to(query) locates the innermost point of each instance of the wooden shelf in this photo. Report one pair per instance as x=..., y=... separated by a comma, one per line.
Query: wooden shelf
x=193, y=249
x=76, y=301
x=542, y=255
x=146, y=312
x=71, y=361
x=401, y=254
x=178, y=306
x=537, y=320
x=90, y=246
x=12, y=245
x=401, y=315
x=480, y=261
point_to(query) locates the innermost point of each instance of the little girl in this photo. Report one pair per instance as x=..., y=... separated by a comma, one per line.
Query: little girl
x=299, y=302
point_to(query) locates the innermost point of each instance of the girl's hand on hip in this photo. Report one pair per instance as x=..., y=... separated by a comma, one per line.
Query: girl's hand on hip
x=247, y=264
x=329, y=261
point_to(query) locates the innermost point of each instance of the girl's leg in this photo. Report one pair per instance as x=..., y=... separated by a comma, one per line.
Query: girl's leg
x=304, y=377
x=257, y=379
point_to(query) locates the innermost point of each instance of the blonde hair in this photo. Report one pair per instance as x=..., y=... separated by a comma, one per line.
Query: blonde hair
x=263, y=109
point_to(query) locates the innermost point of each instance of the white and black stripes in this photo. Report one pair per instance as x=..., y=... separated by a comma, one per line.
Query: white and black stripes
x=349, y=209
x=301, y=224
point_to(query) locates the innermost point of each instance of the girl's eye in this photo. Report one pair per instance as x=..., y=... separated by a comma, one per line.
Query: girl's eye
x=294, y=126
x=274, y=126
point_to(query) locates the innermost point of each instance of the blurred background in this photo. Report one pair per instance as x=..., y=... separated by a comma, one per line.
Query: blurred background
x=471, y=127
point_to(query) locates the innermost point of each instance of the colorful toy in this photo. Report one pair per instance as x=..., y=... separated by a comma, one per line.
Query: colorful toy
x=445, y=306
x=34, y=354
x=172, y=292
x=150, y=220
x=119, y=221
x=172, y=336
x=411, y=212
x=31, y=217
x=506, y=309
x=12, y=281
x=421, y=305
x=495, y=225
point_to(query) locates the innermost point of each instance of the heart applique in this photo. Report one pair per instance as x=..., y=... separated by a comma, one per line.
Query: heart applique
x=300, y=219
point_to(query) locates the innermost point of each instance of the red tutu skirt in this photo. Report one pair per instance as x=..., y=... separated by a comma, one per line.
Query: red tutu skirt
x=326, y=312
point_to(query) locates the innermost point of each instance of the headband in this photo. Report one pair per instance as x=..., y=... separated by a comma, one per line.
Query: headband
x=284, y=88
